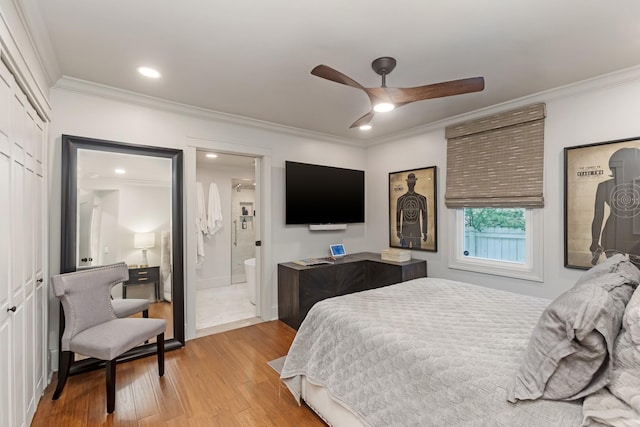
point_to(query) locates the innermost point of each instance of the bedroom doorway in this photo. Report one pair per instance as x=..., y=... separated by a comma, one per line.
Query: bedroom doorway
x=226, y=282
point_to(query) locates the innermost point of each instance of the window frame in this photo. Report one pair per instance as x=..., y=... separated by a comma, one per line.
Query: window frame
x=531, y=270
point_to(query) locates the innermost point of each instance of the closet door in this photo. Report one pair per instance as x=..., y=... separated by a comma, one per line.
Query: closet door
x=6, y=315
x=40, y=242
x=23, y=291
x=20, y=244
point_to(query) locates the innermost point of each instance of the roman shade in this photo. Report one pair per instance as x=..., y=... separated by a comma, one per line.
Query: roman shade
x=497, y=161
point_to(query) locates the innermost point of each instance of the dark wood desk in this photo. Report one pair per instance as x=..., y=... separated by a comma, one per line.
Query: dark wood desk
x=300, y=287
x=143, y=276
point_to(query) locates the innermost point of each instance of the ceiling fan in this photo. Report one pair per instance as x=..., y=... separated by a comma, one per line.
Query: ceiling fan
x=385, y=98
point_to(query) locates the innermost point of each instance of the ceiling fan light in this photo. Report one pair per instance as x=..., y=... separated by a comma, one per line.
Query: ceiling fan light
x=383, y=107
x=365, y=127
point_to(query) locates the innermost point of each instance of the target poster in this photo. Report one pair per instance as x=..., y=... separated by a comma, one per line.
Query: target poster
x=602, y=202
x=412, y=209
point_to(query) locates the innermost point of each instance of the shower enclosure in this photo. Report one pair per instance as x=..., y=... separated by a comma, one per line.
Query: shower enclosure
x=243, y=231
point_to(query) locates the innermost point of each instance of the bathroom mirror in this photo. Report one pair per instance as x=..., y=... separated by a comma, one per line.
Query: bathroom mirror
x=123, y=203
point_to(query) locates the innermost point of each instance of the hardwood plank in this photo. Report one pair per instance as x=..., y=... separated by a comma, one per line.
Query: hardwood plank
x=217, y=380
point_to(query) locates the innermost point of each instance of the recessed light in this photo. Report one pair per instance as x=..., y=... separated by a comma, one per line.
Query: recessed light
x=365, y=127
x=149, y=72
x=383, y=107
x=120, y=171
x=211, y=155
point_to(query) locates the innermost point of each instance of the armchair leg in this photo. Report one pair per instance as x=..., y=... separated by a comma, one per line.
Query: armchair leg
x=110, y=369
x=160, y=343
x=145, y=315
x=66, y=359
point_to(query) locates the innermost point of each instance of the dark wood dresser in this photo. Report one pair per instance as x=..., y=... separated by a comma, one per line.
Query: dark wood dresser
x=143, y=276
x=300, y=287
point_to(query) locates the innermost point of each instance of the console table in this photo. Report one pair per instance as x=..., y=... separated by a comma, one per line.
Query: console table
x=143, y=276
x=300, y=287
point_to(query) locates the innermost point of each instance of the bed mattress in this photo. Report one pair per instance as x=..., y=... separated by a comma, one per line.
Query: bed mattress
x=427, y=352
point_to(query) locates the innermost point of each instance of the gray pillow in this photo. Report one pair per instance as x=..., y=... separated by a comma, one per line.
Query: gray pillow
x=618, y=263
x=568, y=353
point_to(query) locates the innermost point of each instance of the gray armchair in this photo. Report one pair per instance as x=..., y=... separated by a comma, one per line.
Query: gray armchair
x=93, y=329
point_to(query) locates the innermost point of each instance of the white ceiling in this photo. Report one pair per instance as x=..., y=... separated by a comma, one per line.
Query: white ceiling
x=253, y=58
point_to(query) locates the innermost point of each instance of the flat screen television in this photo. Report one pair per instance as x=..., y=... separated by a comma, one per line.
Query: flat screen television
x=317, y=194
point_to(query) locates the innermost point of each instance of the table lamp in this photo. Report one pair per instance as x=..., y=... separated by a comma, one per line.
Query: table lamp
x=144, y=241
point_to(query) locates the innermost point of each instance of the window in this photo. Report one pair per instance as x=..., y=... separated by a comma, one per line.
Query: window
x=497, y=234
x=498, y=241
x=495, y=169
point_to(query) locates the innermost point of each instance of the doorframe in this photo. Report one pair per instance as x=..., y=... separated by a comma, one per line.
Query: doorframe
x=264, y=291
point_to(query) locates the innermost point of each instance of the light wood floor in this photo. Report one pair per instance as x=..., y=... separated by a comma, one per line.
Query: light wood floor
x=218, y=380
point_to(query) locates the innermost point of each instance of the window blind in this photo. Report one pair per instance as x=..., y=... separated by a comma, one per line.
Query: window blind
x=497, y=161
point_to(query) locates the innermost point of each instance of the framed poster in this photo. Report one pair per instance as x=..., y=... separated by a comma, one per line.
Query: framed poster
x=412, y=209
x=602, y=202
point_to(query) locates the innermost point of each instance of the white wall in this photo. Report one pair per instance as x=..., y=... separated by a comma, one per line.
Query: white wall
x=599, y=110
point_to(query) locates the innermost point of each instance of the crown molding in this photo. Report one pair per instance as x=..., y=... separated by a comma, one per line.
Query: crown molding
x=31, y=18
x=71, y=84
x=617, y=78
x=14, y=57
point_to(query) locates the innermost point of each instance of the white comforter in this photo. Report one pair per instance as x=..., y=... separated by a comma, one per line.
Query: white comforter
x=428, y=352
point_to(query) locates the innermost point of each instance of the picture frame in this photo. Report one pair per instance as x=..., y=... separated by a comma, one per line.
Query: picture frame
x=413, y=209
x=601, y=202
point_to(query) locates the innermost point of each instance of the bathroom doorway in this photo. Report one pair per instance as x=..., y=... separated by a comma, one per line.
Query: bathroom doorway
x=227, y=214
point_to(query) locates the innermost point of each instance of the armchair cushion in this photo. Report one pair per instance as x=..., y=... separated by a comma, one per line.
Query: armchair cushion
x=110, y=339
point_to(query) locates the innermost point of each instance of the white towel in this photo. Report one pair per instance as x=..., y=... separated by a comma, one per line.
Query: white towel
x=201, y=221
x=165, y=265
x=214, y=214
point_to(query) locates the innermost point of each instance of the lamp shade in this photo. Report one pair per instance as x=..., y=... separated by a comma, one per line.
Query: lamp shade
x=144, y=240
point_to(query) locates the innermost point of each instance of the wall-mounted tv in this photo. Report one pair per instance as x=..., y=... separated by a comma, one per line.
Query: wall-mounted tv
x=317, y=194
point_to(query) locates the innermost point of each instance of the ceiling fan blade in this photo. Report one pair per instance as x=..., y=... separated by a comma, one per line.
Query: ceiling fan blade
x=436, y=90
x=329, y=73
x=335, y=76
x=364, y=120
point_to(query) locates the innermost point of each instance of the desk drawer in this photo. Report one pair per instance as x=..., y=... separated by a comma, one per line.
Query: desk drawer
x=143, y=275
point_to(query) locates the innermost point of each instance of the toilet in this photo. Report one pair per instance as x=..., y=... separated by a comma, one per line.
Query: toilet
x=250, y=272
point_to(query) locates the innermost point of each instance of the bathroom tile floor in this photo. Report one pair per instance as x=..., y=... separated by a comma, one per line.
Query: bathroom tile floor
x=225, y=305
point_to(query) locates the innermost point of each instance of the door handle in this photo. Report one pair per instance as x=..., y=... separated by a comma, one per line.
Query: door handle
x=12, y=309
x=235, y=234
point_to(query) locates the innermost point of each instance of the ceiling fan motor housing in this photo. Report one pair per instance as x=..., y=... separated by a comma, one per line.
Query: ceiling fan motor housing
x=383, y=65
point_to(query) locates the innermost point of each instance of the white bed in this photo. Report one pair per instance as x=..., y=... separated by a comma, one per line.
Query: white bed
x=427, y=352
